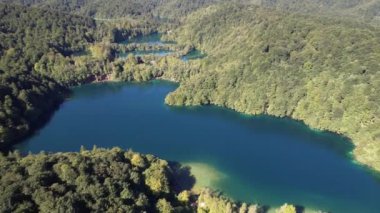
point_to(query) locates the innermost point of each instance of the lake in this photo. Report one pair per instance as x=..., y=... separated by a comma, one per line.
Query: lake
x=150, y=39
x=145, y=52
x=250, y=158
x=154, y=39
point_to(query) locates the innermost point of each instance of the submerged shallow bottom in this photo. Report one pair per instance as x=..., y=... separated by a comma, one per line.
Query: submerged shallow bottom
x=254, y=159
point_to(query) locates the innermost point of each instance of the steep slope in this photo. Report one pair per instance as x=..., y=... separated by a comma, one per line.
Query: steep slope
x=365, y=10
x=321, y=71
x=174, y=10
x=27, y=97
x=118, y=9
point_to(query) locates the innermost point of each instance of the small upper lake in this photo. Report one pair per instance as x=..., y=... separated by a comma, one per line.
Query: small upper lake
x=145, y=52
x=151, y=39
x=256, y=159
x=154, y=39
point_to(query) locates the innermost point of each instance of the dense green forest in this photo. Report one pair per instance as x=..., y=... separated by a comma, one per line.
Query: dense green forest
x=174, y=10
x=27, y=36
x=260, y=60
x=322, y=71
x=97, y=181
x=160, y=10
x=364, y=10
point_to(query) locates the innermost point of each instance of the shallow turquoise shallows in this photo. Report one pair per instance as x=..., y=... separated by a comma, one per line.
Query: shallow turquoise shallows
x=258, y=159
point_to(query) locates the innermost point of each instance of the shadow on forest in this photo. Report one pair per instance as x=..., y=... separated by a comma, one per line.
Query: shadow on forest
x=182, y=177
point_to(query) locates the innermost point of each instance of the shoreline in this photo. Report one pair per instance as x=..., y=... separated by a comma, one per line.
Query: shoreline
x=350, y=155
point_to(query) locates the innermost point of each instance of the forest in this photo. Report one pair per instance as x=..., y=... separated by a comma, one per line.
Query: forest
x=261, y=59
x=27, y=36
x=174, y=10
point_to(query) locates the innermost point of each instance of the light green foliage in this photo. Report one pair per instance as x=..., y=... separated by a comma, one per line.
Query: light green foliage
x=156, y=177
x=286, y=208
x=184, y=196
x=164, y=206
x=213, y=202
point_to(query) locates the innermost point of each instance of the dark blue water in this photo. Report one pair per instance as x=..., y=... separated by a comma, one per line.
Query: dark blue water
x=259, y=159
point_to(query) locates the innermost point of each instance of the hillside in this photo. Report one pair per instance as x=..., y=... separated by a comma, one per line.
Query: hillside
x=27, y=98
x=277, y=59
x=318, y=70
x=174, y=10
x=119, y=9
x=364, y=10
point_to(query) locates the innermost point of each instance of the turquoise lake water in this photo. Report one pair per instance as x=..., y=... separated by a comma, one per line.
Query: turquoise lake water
x=146, y=52
x=260, y=159
x=151, y=39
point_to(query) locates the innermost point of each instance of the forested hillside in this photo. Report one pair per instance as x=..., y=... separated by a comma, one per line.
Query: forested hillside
x=90, y=181
x=27, y=36
x=174, y=10
x=324, y=71
x=318, y=70
x=120, y=9
x=364, y=10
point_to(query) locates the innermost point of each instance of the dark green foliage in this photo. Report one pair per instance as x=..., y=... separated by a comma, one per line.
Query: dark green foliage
x=26, y=35
x=25, y=102
x=365, y=10
x=89, y=181
x=214, y=202
x=29, y=33
x=174, y=10
x=116, y=10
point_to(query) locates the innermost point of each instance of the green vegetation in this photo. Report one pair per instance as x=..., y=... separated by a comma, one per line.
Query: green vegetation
x=321, y=71
x=97, y=180
x=364, y=10
x=213, y=202
x=27, y=37
x=286, y=208
x=24, y=103
x=116, y=10
x=174, y=10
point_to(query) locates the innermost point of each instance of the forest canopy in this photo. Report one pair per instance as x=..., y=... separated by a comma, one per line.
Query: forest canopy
x=278, y=59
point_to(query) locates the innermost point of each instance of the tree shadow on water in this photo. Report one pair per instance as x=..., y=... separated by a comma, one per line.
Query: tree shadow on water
x=300, y=209
x=182, y=177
